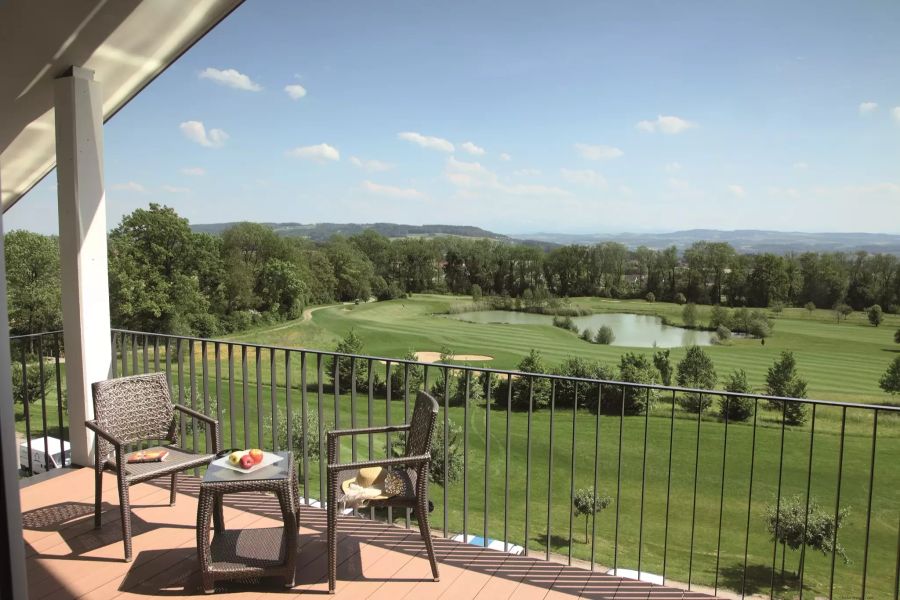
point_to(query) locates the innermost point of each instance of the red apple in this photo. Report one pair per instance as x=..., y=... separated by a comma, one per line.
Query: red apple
x=257, y=455
x=247, y=462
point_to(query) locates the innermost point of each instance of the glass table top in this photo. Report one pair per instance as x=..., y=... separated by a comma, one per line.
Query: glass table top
x=279, y=470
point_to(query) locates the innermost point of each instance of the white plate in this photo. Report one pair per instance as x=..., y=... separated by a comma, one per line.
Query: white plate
x=269, y=458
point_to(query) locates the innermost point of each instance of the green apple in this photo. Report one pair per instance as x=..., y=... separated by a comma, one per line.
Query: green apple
x=235, y=458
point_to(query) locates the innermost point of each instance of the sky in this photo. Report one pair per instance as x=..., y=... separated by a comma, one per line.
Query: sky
x=521, y=116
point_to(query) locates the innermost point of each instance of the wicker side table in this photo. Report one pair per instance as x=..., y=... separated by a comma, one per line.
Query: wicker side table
x=246, y=553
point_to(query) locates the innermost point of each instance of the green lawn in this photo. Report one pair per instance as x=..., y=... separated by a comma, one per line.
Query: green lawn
x=841, y=361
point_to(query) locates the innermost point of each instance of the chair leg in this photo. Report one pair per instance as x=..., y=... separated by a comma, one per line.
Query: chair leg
x=98, y=495
x=425, y=530
x=174, y=489
x=331, y=510
x=125, y=509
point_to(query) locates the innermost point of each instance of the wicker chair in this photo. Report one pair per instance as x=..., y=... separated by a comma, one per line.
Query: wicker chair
x=137, y=409
x=414, y=465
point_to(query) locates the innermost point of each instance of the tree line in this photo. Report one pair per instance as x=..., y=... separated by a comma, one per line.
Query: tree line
x=164, y=277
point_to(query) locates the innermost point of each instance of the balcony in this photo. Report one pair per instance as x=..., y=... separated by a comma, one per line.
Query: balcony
x=692, y=496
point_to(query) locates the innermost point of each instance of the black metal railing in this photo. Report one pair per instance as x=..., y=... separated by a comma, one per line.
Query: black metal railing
x=39, y=400
x=695, y=490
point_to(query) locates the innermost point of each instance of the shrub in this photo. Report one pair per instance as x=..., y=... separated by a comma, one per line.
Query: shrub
x=719, y=317
x=791, y=524
x=810, y=307
x=585, y=503
x=538, y=387
x=400, y=371
x=679, y=298
x=635, y=368
x=582, y=369
x=587, y=335
x=565, y=323
x=663, y=366
x=736, y=408
x=454, y=463
x=296, y=442
x=842, y=310
x=897, y=337
x=605, y=335
x=650, y=297
x=875, y=315
x=723, y=334
x=689, y=314
x=696, y=370
x=890, y=381
x=476, y=292
x=782, y=380
x=777, y=307
x=33, y=382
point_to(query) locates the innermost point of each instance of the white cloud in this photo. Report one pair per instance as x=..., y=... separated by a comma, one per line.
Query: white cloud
x=295, y=91
x=318, y=153
x=196, y=132
x=598, y=152
x=474, y=176
x=527, y=172
x=737, y=191
x=131, y=186
x=391, y=191
x=472, y=148
x=426, y=141
x=586, y=177
x=895, y=112
x=231, y=78
x=867, y=107
x=194, y=171
x=505, y=157
x=801, y=165
x=672, y=167
x=175, y=189
x=678, y=185
x=665, y=124
x=372, y=166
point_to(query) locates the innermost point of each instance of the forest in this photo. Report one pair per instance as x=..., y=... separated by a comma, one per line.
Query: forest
x=166, y=278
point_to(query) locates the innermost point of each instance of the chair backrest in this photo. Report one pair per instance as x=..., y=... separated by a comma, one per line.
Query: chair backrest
x=135, y=408
x=421, y=425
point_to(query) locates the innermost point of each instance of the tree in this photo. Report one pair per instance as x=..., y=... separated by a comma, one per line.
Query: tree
x=585, y=503
x=719, y=317
x=810, y=307
x=696, y=370
x=890, y=381
x=351, y=344
x=537, y=388
x=664, y=365
x=679, y=298
x=875, y=314
x=736, y=408
x=33, y=282
x=296, y=442
x=792, y=525
x=782, y=380
x=723, y=334
x=454, y=463
x=689, y=314
x=650, y=297
x=476, y=292
x=842, y=310
x=34, y=383
x=635, y=368
x=605, y=335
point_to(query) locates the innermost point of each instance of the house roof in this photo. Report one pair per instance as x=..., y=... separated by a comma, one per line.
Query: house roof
x=127, y=43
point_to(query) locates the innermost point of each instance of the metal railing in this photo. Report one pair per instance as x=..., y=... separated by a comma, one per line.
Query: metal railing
x=691, y=497
x=39, y=399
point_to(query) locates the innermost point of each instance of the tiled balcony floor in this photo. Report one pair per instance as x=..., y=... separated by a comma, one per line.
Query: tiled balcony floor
x=68, y=558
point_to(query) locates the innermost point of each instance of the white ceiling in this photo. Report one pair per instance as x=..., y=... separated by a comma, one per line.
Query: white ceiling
x=127, y=43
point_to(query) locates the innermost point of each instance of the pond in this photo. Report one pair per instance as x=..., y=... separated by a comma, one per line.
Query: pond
x=640, y=331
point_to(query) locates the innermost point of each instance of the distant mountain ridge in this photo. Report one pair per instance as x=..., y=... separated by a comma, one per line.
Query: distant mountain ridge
x=743, y=240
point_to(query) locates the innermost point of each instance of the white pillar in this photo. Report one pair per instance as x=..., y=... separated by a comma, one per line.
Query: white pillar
x=13, y=582
x=82, y=248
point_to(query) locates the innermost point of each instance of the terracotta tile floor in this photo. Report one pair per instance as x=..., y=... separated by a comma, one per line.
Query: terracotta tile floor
x=68, y=558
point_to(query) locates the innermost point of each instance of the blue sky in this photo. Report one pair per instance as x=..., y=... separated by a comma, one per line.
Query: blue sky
x=521, y=117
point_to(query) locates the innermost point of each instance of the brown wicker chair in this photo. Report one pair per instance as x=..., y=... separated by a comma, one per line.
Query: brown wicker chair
x=136, y=409
x=415, y=463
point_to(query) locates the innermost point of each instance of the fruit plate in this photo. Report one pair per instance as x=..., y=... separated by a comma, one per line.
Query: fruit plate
x=269, y=458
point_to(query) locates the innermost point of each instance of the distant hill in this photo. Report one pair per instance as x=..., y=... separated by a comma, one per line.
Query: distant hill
x=322, y=231
x=743, y=240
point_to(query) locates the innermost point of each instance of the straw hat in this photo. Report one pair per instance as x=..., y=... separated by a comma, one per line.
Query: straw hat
x=373, y=483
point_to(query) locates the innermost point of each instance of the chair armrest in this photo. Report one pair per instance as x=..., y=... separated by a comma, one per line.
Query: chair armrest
x=213, y=423
x=94, y=426
x=366, y=430
x=384, y=462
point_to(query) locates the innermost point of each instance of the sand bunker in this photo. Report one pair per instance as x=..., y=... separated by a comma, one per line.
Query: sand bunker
x=433, y=357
